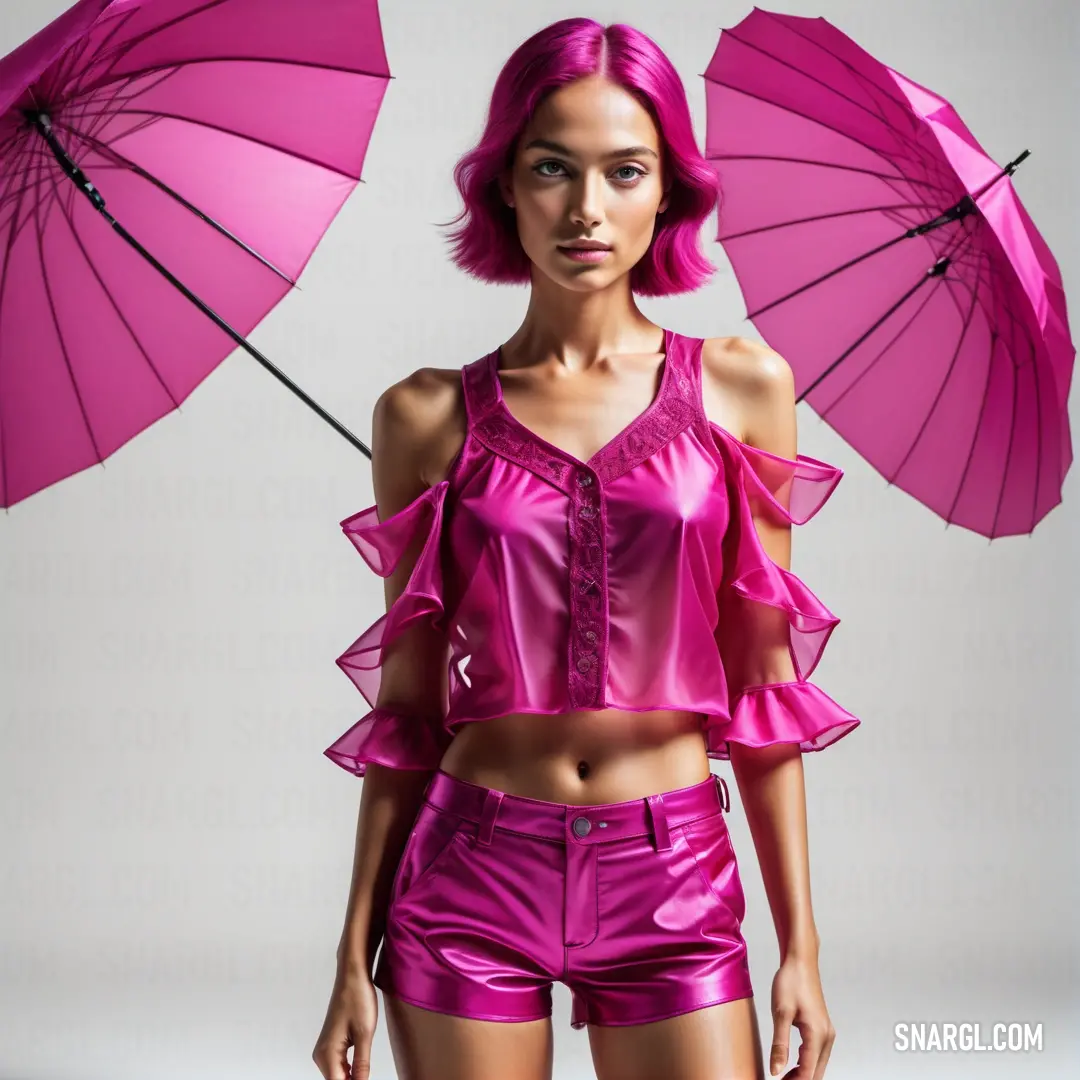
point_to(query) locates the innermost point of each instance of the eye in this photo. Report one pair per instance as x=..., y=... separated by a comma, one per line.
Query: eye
x=540, y=165
x=625, y=181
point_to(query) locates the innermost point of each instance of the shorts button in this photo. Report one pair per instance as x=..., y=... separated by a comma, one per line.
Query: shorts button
x=582, y=826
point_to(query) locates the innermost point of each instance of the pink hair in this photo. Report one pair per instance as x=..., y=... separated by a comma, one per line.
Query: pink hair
x=487, y=247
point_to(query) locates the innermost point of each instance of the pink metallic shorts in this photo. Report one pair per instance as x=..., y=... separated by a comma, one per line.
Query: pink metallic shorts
x=635, y=906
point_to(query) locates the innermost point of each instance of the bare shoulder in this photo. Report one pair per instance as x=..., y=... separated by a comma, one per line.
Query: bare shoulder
x=414, y=425
x=749, y=365
x=413, y=408
x=759, y=384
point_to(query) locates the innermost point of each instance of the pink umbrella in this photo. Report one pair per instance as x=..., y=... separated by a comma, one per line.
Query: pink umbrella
x=225, y=135
x=884, y=254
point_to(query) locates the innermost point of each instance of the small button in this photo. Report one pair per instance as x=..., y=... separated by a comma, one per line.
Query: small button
x=588, y=511
x=584, y=479
x=590, y=635
x=584, y=664
x=586, y=585
x=582, y=826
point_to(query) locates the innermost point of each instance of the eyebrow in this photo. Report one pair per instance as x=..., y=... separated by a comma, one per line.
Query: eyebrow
x=558, y=148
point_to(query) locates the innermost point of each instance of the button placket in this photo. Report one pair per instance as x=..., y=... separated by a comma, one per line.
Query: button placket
x=587, y=598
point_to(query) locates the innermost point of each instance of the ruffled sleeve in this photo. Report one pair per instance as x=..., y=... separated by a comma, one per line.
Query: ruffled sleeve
x=385, y=736
x=770, y=700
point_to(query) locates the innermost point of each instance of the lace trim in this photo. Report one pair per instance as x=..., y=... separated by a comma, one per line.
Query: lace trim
x=644, y=437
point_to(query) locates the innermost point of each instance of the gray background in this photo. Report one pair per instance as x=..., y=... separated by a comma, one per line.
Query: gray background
x=177, y=849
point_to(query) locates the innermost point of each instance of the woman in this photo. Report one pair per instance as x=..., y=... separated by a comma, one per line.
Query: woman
x=599, y=567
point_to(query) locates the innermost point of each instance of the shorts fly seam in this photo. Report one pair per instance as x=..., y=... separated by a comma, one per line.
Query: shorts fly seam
x=596, y=932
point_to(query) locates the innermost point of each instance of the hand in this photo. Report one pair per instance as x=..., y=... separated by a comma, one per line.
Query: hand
x=350, y=1021
x=797, y=1001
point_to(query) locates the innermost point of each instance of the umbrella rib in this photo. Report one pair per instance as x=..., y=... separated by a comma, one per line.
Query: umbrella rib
x=821, y=217
x=832, y=273
x=16, y=173
x=108, y=103
x=820, y=123
x=109, y=77
x=1038, y=440
x=105, y=149
x=112, y=300
x=31, y=153
x=825, y=277
x=84, y=69
x=1002, y=304
x=17, y=132
x=236, y=134
x=115, y=93
x=124, y=47
x=867, y=84
x=870, y=330
x=968, y=316
x=1019, y=324
x=824, y=412
x=4, y=268
x=995, y=337
x=71, y=60
x=40, y=233
x=872, y=113
x=1012, y=440
x=887, y=177
x=892, y=182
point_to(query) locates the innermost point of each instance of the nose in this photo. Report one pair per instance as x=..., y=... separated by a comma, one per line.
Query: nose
x=587, y=201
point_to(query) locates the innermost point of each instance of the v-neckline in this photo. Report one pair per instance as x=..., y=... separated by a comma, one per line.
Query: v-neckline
x=593, y=462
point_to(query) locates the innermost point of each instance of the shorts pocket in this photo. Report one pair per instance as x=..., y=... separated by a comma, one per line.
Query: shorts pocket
x=710, y=843
x=430, y=843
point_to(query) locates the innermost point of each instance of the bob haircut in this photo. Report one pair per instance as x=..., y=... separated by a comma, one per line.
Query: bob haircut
x=486, y=245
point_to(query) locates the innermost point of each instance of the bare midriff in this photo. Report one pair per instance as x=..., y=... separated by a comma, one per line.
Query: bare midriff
x=584, y=757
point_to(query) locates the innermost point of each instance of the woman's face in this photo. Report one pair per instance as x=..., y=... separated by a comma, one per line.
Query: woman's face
x=585, y=187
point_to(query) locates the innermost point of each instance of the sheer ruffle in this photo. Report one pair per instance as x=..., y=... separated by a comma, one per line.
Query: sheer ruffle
x=382, y=543
x=783, y=706
x=795, y=712
x=383, y=735
x=392, y=739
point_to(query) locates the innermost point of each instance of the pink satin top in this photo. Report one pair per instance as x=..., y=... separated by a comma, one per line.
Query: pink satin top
x=627, y=581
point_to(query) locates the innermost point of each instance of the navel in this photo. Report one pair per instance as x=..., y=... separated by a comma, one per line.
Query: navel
x=582, y=769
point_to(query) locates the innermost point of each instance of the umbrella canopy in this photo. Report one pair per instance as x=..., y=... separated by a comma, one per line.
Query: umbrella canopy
x=887, y=257
x=223, y=136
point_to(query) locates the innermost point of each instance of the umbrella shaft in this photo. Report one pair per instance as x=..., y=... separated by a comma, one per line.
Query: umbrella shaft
x=237, y=337
x=43, y=124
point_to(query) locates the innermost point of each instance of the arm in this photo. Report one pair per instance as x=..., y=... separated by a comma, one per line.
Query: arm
x=404, y=425
x=770, y=778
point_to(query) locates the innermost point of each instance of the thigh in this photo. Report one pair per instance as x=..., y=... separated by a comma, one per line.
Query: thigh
x=720, y=1042
x=437, y=1046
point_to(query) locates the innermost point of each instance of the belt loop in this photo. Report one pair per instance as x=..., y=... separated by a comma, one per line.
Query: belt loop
x=725, y=799
x=492, y=802
x=658, y=815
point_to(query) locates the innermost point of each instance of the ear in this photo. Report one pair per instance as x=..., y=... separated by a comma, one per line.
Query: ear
x=506, y=189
